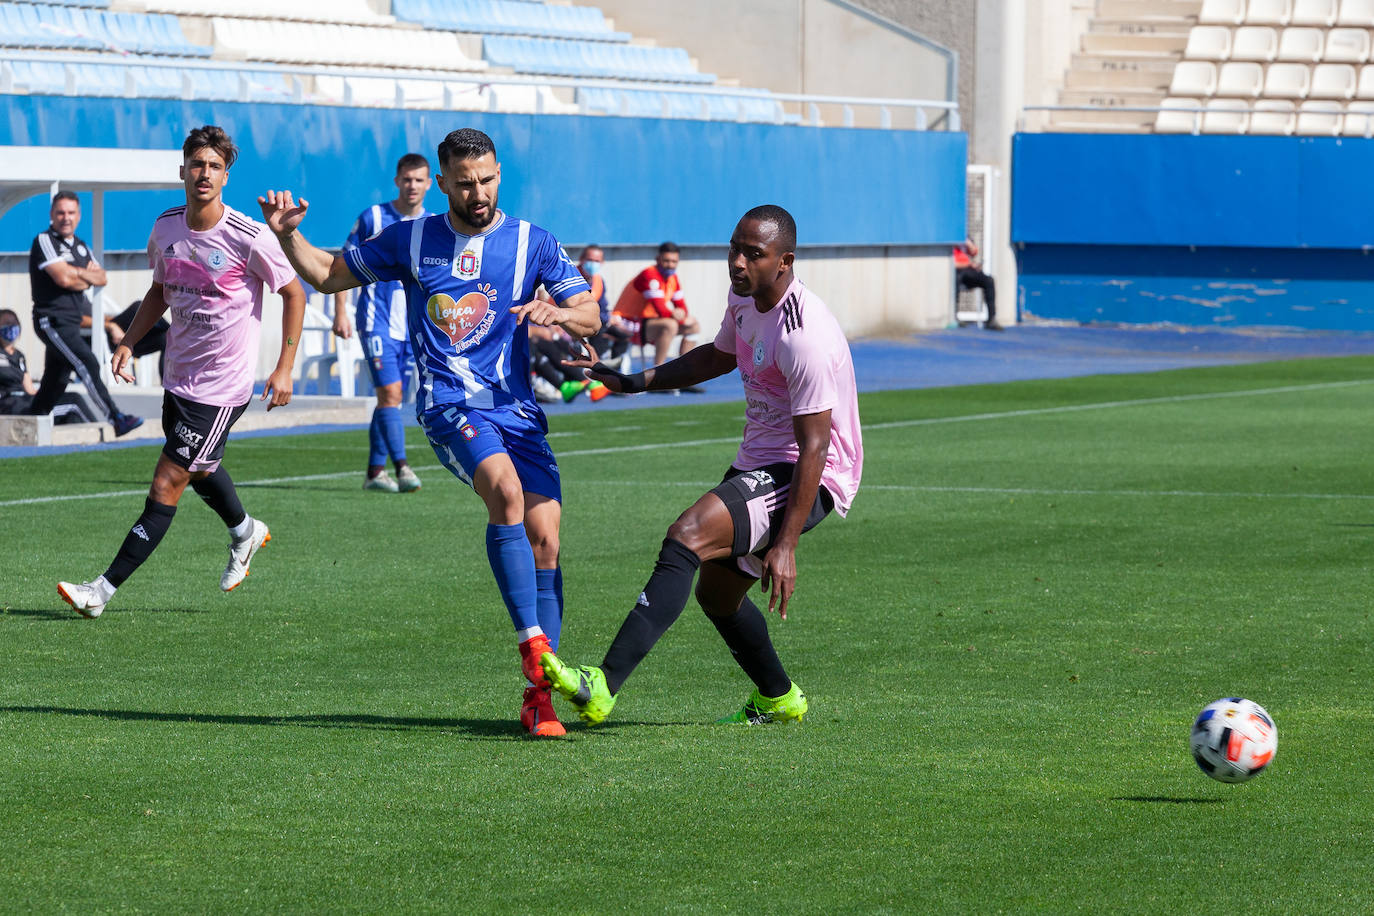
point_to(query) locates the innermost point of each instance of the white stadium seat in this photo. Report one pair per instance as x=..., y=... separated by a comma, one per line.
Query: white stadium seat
x=1168, y=121
x=1359, y=119
x=1194, y=77
x=352, y=12
x=1301, y=44
x=1332, y=81
x=1252, y=42
x=1269, y=12
x=1365, y=88
x=1208, y=42
x=366, y=46
x=1319, y=118
x=1226, y=116
x=1222, y=12
x=1240, y=79
x=1287, y=81
x=1347, y=46
x=1314, y=12
x=1272, y=116
x=1358, y=13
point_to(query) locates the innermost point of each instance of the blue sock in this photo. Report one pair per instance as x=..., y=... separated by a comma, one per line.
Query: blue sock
x=393, y=431
x=550, y=583
x=512, y=560
x=376, y=439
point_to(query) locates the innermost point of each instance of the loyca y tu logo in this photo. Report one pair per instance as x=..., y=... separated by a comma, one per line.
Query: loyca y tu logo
x=461, y=318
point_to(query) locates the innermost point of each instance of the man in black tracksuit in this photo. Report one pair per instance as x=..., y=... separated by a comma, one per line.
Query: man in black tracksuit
x=60, y=270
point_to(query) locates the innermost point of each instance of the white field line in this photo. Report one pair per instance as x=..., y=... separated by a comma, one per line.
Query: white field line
x=1007, y=414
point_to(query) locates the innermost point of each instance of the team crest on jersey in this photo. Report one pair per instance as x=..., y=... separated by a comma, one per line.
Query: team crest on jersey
x=760, y=353
x=80, y=250
x=215, y=259
x=467, y=321
x=468, y=264
x=468, y=432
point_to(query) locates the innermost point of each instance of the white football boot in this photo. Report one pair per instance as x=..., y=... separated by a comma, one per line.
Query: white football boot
x=241, y=554
x=87, y=599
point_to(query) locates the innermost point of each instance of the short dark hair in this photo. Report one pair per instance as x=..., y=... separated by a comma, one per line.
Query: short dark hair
x=592, y=247
x=668, y=248
x=11, y=314
x=465, y=143
x=787, y=226
x=64, y=195
x=411, y=161
x=211, y=137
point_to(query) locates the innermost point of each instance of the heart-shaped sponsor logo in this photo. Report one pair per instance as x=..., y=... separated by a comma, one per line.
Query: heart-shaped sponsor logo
x=457, y=319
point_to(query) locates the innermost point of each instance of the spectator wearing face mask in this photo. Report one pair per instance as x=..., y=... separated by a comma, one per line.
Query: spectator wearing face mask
x=617, y=332
x=16, y=385
x=656, y=299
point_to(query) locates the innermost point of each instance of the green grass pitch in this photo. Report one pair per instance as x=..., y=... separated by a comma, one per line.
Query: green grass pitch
x=1004, y=645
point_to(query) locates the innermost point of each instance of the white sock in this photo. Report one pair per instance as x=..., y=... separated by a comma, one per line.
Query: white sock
x=103, y=588
x=242, y=529
x=527, y=634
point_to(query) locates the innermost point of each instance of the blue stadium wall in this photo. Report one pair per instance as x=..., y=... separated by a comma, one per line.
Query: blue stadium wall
x=1195, y=230
x=623, y=181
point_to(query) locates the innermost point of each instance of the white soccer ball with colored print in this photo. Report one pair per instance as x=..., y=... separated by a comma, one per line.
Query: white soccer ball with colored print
x=1234, y=739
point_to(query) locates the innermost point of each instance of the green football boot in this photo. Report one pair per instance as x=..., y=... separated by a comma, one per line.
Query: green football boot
x=762, y=710
x=584, y=687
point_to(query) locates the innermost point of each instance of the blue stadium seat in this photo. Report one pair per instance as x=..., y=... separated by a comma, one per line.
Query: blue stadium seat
x=55, y=28
x=509, y=17
x=592, y=58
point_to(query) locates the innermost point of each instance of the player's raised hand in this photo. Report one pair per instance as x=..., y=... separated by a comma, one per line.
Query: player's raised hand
x=537, y=311
x=280, y=211
x=119, y=363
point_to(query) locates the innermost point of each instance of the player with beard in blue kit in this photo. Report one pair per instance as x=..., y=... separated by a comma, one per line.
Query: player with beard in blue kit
x=470, y=276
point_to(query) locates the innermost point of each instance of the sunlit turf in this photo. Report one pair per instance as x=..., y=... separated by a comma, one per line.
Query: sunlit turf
x=1003, y=645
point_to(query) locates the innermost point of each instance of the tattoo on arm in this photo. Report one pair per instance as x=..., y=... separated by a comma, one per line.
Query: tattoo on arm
x=290, y=341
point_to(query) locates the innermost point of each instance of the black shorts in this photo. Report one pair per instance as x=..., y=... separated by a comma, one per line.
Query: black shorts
x=195, y=432
x=757, y=500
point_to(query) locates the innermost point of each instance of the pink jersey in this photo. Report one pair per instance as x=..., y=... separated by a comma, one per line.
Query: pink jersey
x=212, y=282
x=794, y=360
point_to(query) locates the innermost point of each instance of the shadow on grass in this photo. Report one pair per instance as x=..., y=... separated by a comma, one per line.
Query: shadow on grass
x=68, y=614
x=1168, y=800
x=479, y=728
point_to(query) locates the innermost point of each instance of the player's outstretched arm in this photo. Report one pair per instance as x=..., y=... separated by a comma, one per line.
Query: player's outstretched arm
x=700, y=364
x=579, y=314
x=149, y=311
x=326, y=272
x=779, y=577
x=279, y=383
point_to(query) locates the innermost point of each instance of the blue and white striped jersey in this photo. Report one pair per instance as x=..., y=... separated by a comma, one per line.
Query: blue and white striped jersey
x=380, y=306
x=459, y=293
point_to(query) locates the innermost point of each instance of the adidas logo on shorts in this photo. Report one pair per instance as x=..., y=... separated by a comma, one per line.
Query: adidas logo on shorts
x=184, y=452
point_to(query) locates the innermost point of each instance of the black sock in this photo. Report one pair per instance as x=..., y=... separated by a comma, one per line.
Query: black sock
x=219, y=494
x=746, y=633
x=659, y=605
x=141, y=541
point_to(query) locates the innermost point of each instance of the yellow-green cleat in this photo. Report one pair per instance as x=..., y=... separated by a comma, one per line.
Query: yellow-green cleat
x=584, y=687
x=762, y=710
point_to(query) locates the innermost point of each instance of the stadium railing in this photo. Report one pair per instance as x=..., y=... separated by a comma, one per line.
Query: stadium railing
x=1262, y=117
x=129, y=76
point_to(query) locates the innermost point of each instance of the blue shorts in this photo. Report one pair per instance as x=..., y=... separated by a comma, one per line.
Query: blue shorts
x=387, y=358
x=464, y=438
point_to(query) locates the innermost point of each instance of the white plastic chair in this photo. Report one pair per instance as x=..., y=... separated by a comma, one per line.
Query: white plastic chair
x=1226, y=116
x=1314, y=12
x=1287, y=81
x=1269, y=12
x=1272, y=116
x=1208, y=42
x=1333, y=81
x=1169, y=121
x=1254, y=42
x=1193, y=77
x=1359, y=120
x=1358, y=13
x=1240, y=79
x=1222, y=12
x=1365, y=88
x=1301, y=44
x=1347, y=46
x=1319, y=119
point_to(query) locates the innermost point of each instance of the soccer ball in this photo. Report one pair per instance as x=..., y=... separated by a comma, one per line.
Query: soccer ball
x=1233, y=739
